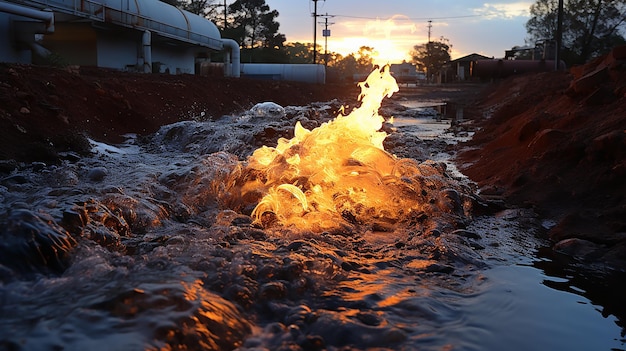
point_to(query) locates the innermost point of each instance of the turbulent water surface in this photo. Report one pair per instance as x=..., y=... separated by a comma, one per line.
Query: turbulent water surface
x=135, y=248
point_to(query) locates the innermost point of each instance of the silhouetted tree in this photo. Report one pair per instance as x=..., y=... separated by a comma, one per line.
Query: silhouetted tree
x=299, y=52
x=365, y=60
x=205, y=8
x=352, y=66
x=431, y=56
x=253, y=24
x=590, y=27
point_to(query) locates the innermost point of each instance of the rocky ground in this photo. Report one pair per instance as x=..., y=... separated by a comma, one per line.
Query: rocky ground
x=554, y=142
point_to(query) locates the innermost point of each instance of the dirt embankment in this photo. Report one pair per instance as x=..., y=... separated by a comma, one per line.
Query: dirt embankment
x=557, y=142
x=44, y=110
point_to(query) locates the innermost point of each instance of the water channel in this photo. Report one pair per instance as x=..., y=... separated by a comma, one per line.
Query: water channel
x=158, y=263
x=533, y=299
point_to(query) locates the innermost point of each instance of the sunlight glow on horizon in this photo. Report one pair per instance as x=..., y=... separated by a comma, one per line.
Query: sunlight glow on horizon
x=487, y=28
x=391, y=39
x=385, y=51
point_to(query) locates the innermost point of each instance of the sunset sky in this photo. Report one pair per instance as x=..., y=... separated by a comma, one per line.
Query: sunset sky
x=393, y=27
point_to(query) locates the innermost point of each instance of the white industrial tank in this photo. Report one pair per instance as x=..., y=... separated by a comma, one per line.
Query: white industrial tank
x=308, y=73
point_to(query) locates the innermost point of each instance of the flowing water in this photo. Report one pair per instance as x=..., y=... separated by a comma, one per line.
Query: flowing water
x=133, y=248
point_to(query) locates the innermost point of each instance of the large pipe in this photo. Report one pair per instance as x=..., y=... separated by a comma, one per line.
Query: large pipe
x=493, y=69
x=40, y=50
x=232, y=58
x=46, y=16
x=147, y=51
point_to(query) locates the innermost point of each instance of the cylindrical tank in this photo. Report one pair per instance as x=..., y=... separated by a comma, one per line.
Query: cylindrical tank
x=164, y=19
x=492, y=69
x=308, y=73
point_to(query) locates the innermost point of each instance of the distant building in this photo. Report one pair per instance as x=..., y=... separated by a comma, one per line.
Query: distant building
x=460, y=69
x=406, y=72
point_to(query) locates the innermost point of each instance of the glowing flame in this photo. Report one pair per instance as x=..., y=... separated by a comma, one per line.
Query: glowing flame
x=337, y=174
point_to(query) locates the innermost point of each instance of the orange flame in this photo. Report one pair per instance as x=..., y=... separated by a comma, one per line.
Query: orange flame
x=337, y=174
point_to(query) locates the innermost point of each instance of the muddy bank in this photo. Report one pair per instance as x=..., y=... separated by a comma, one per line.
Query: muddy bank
x=45, y=111
x=556, y=143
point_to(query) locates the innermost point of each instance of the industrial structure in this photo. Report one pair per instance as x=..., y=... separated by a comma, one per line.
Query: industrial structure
x=133, y=35
x=460, y=69
x=519, y=60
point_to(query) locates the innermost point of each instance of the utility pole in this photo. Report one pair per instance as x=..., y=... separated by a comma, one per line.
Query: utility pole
x=428, y=53
x=225, y=10
x=326, y=34
x=559, y=35
x=315, y=31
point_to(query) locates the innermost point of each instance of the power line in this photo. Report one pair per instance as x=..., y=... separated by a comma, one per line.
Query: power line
x=410, y=18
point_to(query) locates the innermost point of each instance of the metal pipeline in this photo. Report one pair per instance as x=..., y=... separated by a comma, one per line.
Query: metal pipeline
x=46, y=16
x=146, y=40
x=494, y=69
x=232, y=59
x=39, y=50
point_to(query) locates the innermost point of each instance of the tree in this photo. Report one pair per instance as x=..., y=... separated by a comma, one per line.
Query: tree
x=365, y=60
x=299, y=52
x=431, y=56
x=339, y=68
x=333, y=58
x=204, y=8
x=590, y=27
x=354, y=66
x=252, y=24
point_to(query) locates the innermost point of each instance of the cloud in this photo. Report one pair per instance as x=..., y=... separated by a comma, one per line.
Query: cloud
x=395, y=25
x=504, y=10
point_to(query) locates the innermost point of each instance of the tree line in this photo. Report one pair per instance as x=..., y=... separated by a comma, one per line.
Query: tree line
x=590, y=28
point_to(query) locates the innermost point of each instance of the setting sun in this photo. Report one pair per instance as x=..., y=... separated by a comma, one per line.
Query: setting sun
x=385, y=51
x=391, y=39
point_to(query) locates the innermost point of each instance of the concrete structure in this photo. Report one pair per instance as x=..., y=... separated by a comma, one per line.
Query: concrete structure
x=137, y=35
